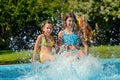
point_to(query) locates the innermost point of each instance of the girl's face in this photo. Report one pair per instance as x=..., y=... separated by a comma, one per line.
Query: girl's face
x=47, y=29
x=70, y=22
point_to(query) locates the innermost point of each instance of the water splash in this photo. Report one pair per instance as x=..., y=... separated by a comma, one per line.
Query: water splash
x=66, y=68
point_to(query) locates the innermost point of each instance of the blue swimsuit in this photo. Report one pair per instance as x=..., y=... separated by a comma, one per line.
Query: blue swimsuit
x=70, y=39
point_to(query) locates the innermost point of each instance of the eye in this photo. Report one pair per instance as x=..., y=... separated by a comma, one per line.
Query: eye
x=49, y=28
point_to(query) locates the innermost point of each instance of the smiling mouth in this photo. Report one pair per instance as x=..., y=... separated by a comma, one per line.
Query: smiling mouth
x=48, y=32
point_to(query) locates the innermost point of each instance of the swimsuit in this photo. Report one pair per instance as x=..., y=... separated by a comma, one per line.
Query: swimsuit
x=47, y=56
x=44, y=42
x=70, y=39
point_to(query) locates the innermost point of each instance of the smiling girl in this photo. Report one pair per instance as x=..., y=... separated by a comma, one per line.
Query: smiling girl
x=72, y=37
x=45, y=43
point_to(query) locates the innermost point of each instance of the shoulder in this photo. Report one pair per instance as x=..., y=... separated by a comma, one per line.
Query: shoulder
x=40, y=36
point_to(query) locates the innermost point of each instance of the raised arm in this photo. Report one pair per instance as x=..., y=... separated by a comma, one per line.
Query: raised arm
x=36, y=47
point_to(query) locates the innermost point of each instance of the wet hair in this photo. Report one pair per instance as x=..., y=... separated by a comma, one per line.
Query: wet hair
x=45, y=22
x=70, y=15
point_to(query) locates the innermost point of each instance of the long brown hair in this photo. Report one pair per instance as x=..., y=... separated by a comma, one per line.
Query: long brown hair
x=72, y=15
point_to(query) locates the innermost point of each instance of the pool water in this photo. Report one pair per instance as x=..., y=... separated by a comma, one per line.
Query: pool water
x=87, y=68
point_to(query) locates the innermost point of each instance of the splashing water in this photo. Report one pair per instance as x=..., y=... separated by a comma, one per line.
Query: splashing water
x=66, y=68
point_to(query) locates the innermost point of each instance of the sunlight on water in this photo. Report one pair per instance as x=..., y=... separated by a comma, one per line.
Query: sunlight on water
x=66, y=68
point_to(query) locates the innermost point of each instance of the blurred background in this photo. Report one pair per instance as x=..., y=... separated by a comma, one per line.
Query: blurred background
x=20, y=20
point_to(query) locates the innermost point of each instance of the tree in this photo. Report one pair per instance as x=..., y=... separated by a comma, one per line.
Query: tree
x=20, y=20
x=106, y=13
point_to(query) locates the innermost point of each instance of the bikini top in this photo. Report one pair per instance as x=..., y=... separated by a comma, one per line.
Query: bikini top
x=70, y=39
x=44, y=42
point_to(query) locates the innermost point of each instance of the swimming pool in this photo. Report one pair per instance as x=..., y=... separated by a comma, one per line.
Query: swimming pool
x=90, y=69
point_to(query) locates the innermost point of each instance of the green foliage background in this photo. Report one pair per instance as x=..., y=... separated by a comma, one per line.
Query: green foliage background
x=25, y=16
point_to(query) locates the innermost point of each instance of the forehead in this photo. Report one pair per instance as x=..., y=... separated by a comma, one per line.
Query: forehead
x=48, y=25
x=70, y=18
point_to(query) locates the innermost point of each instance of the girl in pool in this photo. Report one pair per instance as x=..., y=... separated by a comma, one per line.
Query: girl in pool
x=71, y=36
x=45, y=42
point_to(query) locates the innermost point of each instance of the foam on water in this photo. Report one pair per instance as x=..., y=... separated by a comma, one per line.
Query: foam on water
x=66, y=68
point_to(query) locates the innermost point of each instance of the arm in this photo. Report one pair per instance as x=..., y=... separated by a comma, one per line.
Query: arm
x=59, y=42
x=36, y=46
x=86, y=47
x=84, y=43
x=60, y=34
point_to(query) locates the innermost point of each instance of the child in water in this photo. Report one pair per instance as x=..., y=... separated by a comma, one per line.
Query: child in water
x=45, y=42
x=71, y=36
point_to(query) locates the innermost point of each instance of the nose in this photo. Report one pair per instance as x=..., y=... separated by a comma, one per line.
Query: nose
x=49, y=30
x=72, y=22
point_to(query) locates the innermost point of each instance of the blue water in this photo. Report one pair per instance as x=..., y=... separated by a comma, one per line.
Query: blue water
x=86, y=68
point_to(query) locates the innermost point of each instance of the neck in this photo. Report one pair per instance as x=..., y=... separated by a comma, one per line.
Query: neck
x=46, y=35
x=69, y=30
